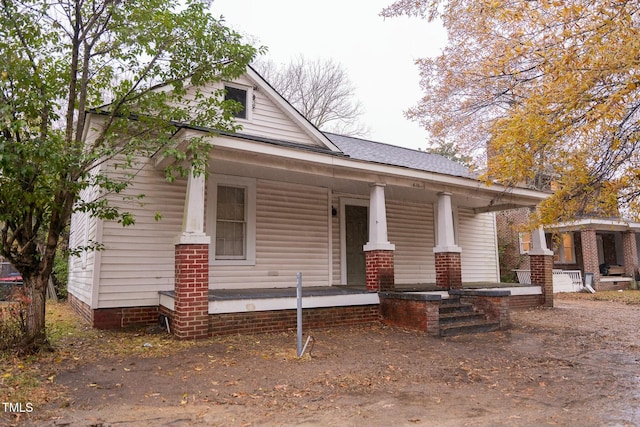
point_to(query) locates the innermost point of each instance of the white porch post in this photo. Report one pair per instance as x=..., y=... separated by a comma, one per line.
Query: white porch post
x=191, y=287
x=194, y=211
x=446, y=234
x=539, y=243
x=380, y=270
x=378, y=239
x=447, y=253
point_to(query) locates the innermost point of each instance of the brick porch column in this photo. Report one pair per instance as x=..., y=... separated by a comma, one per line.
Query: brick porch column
x=191, y=300
x=380, y=269
x=542, y=275
x=448, y=270
x=541, y=261
x=191, y=304
x=447, y=253
x=630, y=252
x=590, y=262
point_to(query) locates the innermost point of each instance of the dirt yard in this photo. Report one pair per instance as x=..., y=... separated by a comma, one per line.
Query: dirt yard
x=576, y=364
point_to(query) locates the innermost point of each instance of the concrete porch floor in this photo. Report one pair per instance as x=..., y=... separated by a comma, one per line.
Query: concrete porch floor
x=320, y=291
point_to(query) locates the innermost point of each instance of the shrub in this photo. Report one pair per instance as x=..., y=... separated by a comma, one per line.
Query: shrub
x=60, y=273
x=13, y=319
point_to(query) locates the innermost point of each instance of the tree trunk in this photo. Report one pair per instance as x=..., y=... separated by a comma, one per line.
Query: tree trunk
x=35, y=338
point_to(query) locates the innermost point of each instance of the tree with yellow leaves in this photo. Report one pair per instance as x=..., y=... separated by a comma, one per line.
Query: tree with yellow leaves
x=547, y=88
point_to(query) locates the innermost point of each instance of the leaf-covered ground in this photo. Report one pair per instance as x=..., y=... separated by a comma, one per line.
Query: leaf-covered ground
x=576, y=364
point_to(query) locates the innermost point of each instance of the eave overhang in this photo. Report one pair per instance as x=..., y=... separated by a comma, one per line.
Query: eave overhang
x=306, y=158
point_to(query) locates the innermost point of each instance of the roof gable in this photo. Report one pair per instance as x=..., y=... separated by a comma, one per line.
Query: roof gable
x=273, y=117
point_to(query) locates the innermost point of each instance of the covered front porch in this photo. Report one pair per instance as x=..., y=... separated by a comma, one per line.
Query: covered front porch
x=352, y=227
x=606, y=248
x=415, y=306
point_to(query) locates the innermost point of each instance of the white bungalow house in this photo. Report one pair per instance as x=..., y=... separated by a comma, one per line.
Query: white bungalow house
x=352, y=215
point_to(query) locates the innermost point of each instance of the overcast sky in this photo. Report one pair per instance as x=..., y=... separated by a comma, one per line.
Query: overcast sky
x=378, y=53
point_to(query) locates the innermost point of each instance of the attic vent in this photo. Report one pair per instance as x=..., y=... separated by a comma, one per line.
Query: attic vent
x=238, y=95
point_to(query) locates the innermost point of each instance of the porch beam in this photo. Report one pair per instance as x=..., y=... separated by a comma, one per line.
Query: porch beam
x=497, y=208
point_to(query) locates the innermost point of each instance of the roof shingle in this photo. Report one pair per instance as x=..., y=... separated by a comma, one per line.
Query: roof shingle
x=387, y=154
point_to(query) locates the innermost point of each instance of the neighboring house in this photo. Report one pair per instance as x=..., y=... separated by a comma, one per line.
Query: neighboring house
x=353, y=216
x=606, y=247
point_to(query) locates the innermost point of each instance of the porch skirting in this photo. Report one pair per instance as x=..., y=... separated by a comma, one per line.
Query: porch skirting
x=233, y=312
x=286, y=320
x=115, y=318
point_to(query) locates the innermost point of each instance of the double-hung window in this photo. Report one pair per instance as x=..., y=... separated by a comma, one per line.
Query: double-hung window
x=231, y=222
x=564, y=250
x=231, y=219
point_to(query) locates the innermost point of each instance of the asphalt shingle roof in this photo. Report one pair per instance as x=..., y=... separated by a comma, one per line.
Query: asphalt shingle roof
x=387, y=154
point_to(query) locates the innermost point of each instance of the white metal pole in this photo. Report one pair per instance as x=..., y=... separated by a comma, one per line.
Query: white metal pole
x=299, y=313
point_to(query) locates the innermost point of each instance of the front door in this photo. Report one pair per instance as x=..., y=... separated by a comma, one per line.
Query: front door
x=356, y=235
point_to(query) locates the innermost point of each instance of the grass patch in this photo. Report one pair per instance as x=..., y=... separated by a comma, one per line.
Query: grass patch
x=631, y=297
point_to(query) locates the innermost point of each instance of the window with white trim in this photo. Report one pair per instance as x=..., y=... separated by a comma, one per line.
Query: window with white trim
x=231, y=222
x=564, y=249
x=231, y=219
x=242, y=95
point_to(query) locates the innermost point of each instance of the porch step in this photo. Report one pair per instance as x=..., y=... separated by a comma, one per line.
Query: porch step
x=457, y=318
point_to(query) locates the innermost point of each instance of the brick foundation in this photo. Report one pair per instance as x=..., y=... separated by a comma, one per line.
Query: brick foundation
x=190, y=320
x=83, y=309
x=519, y=302
x=285, y=320
x=448, y=270
x=613, y=285
x=412, y=311
x=495, y=307
x=256, y=322
x=380, y=270
x=542, y=275
x=115, y=318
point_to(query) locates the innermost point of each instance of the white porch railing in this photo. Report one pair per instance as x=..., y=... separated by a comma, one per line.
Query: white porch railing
x=524, y=276
x=563, y=280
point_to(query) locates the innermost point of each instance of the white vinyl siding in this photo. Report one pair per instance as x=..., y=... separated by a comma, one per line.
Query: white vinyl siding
x=138, y=260
x=81, y=268
x=410, y=228
x=264, y=117
x=335, y=241
x=291, y=236
x=477, y=238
